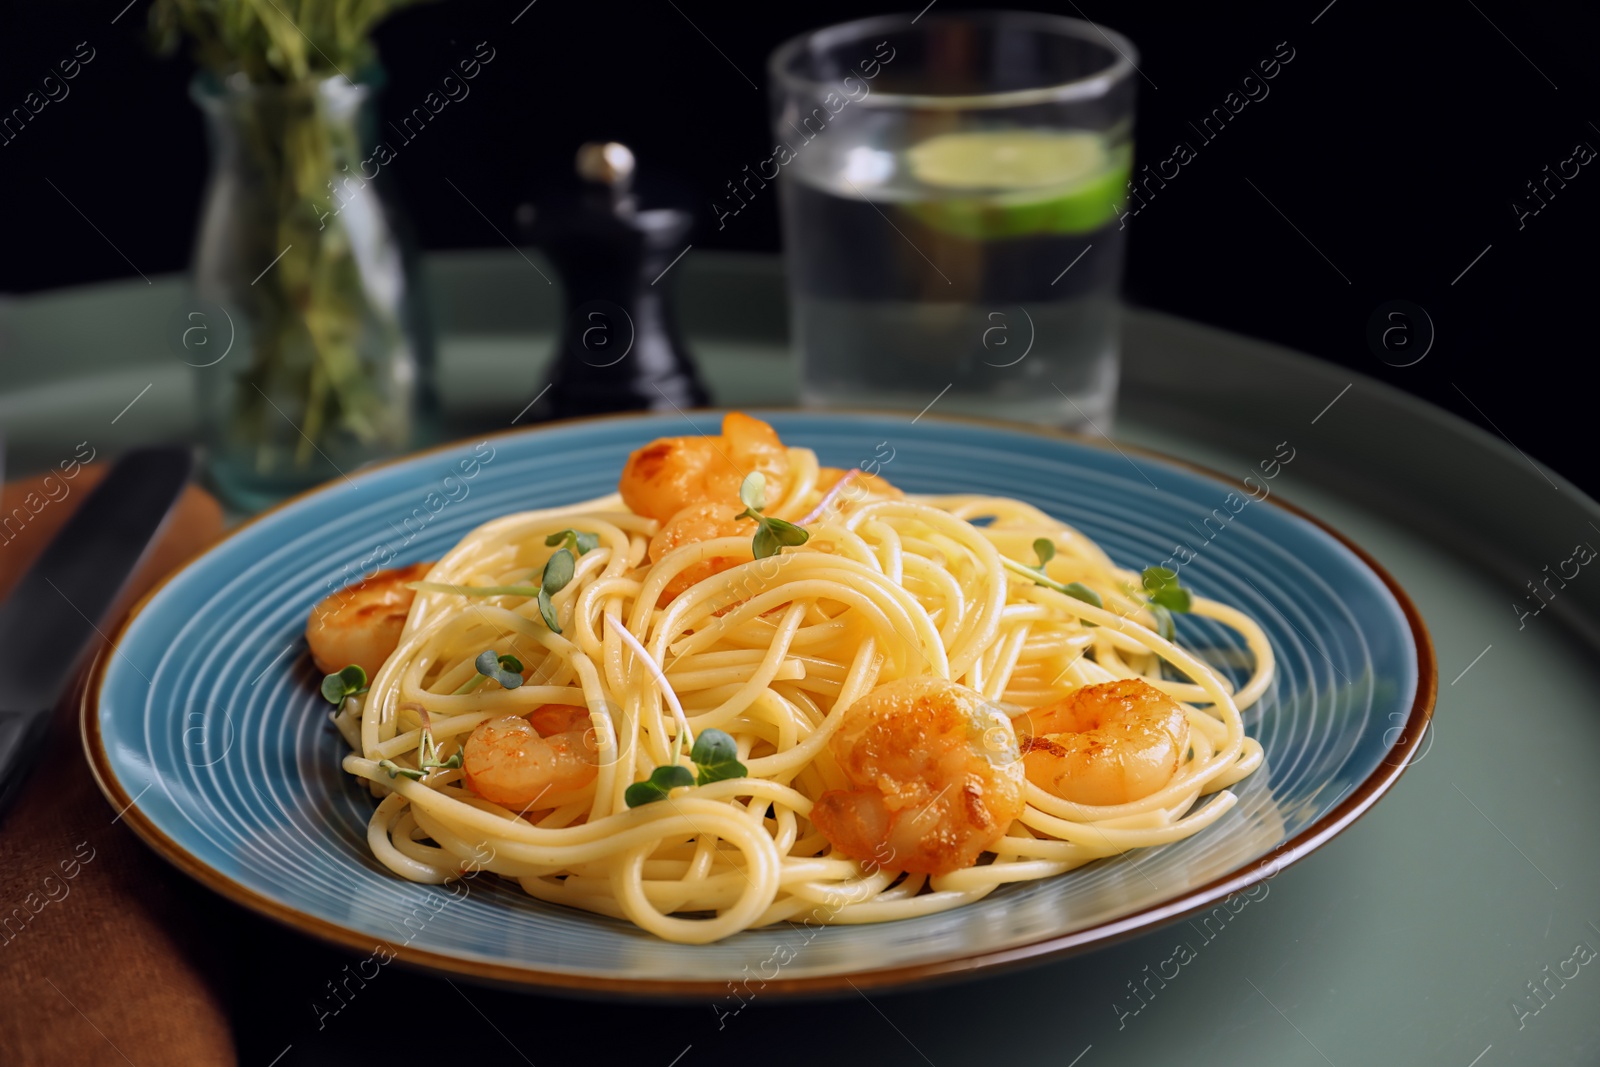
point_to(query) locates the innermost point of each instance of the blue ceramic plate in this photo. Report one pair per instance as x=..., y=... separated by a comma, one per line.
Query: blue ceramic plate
x=206, y=723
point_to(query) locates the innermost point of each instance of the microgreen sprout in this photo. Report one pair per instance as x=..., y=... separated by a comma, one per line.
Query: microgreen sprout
x=473, y=590
x=716, y=755
x=1166, y=597
x=336, y=687
x=716, y=758
x=772, y=535
x=1079, y=591
x=557, y=573
x=427, y=760
x=1162, y=585
x=577, y=541
x=1165, y=626
x=507, y=670
x=662, y=781
x=1045, y=549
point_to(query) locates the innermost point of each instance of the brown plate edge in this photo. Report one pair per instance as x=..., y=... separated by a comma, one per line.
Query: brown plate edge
x=1319, y=833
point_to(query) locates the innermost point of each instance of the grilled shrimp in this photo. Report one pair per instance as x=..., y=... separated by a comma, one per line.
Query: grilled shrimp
x=361, y=623
x=696, y=523
x=548, y=759
x=1105, y=744
x=936, y=774
x=670, y=473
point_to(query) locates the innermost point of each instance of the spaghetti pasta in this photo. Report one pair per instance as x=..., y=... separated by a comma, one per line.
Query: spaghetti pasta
x=773, y=657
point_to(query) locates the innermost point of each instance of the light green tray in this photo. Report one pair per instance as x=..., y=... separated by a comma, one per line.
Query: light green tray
x=1411, y=939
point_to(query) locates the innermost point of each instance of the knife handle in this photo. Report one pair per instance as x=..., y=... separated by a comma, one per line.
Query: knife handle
x=21, y=736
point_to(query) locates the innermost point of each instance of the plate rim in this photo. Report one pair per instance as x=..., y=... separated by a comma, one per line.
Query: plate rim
x=1329, y=825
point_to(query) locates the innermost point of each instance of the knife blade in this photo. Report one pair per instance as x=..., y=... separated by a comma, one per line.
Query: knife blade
x=56, y=608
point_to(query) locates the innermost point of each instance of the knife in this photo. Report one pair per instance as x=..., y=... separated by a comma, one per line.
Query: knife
x=56, y=608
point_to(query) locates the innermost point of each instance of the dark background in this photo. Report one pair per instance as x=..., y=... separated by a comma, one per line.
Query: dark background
x=1396, y=142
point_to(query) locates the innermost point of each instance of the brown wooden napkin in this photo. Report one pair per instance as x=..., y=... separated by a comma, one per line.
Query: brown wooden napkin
x=100, y=959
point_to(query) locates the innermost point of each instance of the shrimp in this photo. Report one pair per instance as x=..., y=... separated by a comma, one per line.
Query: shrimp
x=1105, y=744
x=696, y=523
x=670, y=473
x=509, y=761
x=937, y=774
x=361, y=623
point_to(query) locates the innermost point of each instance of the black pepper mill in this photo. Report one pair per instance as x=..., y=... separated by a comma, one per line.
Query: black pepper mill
x=619, y=348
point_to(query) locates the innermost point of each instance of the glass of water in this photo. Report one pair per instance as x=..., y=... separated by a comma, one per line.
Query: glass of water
x=953, y=191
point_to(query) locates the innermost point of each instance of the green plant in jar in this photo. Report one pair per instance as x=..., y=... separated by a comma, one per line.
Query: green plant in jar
x=297, y=240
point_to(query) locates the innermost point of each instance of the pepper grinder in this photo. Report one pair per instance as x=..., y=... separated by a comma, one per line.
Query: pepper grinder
x=620, y=349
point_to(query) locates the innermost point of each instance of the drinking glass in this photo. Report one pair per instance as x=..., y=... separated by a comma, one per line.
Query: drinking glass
x=952, y=191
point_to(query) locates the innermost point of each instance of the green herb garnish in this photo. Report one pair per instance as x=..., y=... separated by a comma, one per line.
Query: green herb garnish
x=772, y=535
x=430, y=754
x=1162, y=585
x=557, y=573
x=1164, y=622
x=428, y=760
x=1079, y=591
x=577, y=541
x=1045, y=549
x=507, y=670
x=716, y=754
x=474, y=590
x=716, y=759
x=336, y=687
x=662, y=781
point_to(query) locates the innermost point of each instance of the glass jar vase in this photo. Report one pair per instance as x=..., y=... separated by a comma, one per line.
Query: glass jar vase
x=329, y=358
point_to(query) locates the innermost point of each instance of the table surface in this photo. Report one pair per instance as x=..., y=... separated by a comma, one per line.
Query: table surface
x=1453, y=924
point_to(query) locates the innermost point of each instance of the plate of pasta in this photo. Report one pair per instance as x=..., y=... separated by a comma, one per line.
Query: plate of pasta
x=657, y=704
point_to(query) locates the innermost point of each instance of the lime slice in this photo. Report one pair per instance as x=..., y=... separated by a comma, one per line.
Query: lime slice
x=1007, y=159
x=1022, y=182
